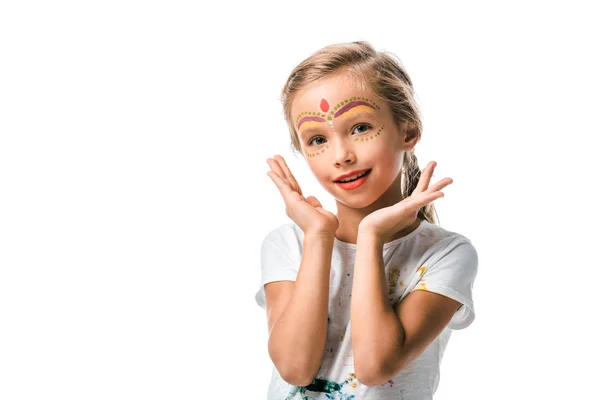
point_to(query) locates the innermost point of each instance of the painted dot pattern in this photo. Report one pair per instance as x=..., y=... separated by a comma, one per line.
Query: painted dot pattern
x=373, y=136
x=324, y=106
x=342, y=103
x=362, y=139
x=311, y=155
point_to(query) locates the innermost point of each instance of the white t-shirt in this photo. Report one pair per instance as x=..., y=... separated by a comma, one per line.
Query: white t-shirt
x=429, y=258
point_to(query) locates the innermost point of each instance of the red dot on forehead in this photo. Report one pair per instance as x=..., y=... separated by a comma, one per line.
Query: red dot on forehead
x=324, y=105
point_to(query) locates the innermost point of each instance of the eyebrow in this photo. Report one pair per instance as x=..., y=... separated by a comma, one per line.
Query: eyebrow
x=310, y=118
x=351, y=105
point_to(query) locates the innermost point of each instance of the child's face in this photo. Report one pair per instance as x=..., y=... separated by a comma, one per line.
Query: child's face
x=341, y=129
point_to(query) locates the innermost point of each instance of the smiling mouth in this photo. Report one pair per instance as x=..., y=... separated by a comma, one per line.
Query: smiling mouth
x=361, y=176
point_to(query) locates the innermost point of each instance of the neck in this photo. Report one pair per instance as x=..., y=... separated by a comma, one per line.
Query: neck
x=350, y=217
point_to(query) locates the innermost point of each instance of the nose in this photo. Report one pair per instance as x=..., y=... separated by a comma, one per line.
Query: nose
x=343, y=151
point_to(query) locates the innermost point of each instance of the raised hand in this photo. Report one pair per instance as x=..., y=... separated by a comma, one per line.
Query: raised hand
x=307, y=213
x=386, y=221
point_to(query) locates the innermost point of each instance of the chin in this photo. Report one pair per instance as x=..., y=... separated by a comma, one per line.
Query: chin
x=355, y=201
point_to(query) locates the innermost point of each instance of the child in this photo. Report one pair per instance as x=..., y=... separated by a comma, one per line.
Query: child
x=360, y=304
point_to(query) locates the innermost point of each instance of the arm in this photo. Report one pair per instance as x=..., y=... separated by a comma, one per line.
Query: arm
x=385, y=339
x=298, y=337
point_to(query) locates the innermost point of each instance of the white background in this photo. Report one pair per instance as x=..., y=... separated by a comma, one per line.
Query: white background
x=134, y=196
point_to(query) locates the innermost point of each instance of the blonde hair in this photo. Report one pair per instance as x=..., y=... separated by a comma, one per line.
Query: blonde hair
x=385, y=76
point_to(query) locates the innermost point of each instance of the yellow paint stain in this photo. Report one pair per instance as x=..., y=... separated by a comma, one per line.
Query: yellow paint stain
x=422, y=270
x=357, y=109
x=352, y=374
x=393, y=276
x=354, y=385
x=421, y=286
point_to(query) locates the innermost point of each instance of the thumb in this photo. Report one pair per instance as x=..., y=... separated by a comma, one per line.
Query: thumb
x=312, y=200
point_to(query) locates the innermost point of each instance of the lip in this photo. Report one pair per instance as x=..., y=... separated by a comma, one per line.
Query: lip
x=350, y=174
x=354, y=184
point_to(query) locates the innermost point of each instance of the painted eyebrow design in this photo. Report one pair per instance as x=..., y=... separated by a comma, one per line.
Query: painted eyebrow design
x=352, y=102
x=351, y=105
x=338, y=109
x=309, y=119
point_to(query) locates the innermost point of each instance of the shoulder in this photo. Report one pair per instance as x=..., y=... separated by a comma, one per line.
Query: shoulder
x=285, y=233
x=444, y=242
x=287, y=238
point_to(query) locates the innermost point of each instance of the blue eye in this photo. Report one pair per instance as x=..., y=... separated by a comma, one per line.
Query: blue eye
x=313, y=139
x=367, y=126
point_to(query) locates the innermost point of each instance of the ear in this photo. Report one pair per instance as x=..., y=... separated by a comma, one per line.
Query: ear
x=410, y=136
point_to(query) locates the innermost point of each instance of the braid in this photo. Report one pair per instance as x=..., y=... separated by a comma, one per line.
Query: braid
x=412, y=174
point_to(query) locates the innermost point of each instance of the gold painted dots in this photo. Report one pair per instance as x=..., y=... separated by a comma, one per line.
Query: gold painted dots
x=311, y=114
x=373, y=136
x=343, y=103
x=327, y=111
x=311, y=155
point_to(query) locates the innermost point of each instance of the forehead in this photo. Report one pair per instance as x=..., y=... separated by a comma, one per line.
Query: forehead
x=334, y=90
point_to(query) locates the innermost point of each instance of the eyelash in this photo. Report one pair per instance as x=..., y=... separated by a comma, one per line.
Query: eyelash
x=356, y=126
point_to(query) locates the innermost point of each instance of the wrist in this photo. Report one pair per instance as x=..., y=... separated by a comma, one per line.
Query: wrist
x=369, y=238
x=327, y=237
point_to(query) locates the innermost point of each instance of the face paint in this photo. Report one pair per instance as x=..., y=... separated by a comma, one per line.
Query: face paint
x=373, y=136
x=317, y=153
x=348, y=104
x=312, y=120
x=325, y=107
x=357, y=109
x=344, y=109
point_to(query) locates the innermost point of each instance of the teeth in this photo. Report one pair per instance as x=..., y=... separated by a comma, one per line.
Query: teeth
x=351, y=178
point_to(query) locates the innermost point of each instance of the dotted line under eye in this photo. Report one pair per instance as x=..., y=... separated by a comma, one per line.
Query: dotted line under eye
x=309, y=155
x=373, y=136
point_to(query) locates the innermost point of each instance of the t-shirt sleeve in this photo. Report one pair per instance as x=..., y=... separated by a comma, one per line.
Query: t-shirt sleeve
x=453, y=275
x=276, y=265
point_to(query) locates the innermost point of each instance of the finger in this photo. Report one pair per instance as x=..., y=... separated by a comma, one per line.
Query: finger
x=440, y=185
x=288, y=173
x=425, y=177
x=312, y=200
x=275, y=167
x=284, y=188
x=417, y=202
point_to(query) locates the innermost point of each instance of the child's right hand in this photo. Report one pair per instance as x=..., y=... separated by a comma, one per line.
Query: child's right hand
x=307, y=213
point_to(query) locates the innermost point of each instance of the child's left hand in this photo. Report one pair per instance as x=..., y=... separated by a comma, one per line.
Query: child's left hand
x=387, y=221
